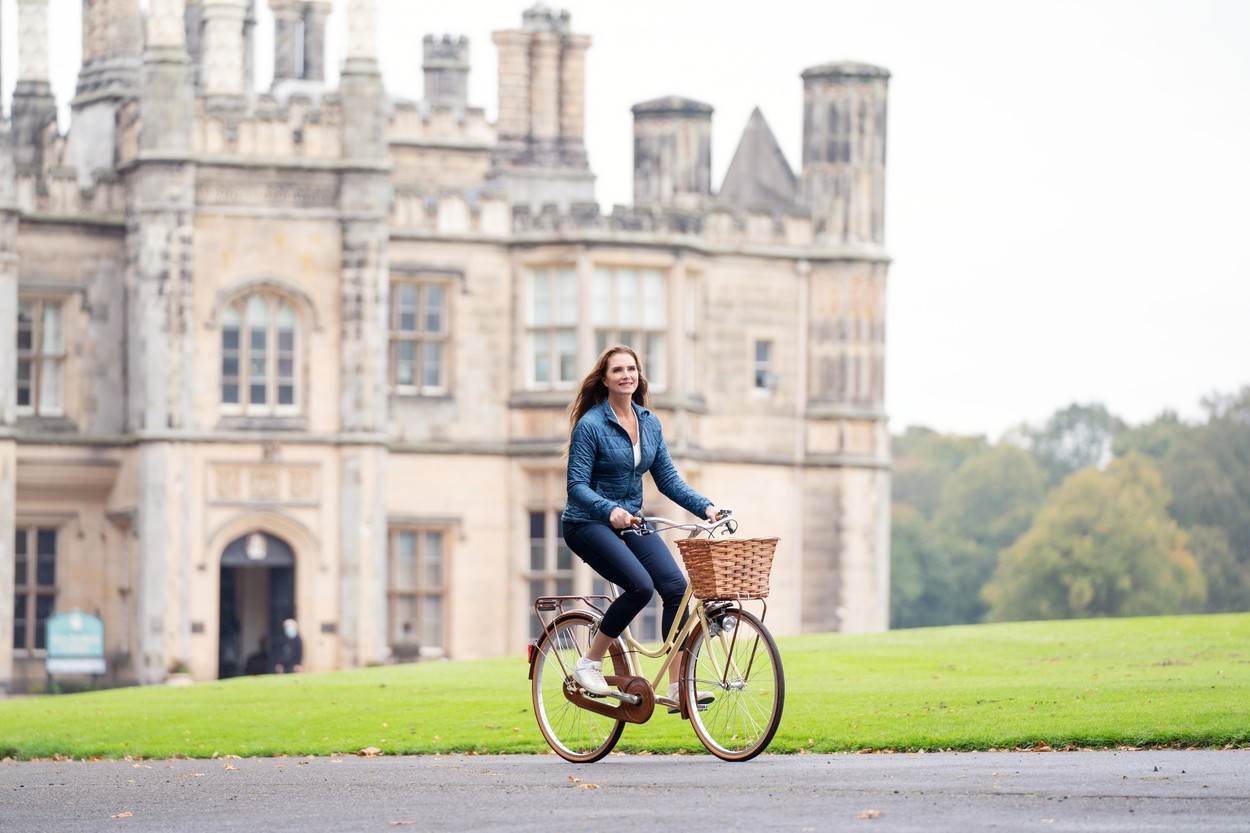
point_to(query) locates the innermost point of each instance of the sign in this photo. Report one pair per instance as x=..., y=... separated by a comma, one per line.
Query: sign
x=75, y=644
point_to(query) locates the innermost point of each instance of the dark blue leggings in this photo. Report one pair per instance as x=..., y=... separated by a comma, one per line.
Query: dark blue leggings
x=638, y=564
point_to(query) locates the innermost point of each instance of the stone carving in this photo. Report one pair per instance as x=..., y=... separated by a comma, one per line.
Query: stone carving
x=242, y=483
x=32, y=40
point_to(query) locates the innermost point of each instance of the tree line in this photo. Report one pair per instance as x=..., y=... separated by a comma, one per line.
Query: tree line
x=1081, y=516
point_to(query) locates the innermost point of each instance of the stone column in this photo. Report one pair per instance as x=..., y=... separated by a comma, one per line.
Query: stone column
x=160, y=207
x=315, y=16
x=573, y=88
x=223, y=48
x=545, y=86
x=514, y=84
x=33, y=107
x=286, y=30
x=8, y=398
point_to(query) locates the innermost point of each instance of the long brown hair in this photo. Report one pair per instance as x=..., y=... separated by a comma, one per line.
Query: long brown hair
x=592, y=391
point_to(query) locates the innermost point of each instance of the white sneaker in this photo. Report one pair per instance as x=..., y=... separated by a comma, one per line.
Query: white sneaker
x=589, y=675
x=673, y=701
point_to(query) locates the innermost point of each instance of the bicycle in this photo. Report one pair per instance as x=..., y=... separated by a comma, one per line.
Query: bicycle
x=724, y=650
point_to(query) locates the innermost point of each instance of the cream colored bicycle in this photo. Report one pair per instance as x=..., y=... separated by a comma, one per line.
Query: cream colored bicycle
x=721, y=649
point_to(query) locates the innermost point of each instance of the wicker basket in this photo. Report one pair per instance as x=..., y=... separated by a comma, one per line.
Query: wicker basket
x=728, y=568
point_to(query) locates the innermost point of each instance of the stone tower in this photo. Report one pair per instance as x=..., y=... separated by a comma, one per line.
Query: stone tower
x=844, y=132
x=541, y=153
x=672, y=152
x=445, y=63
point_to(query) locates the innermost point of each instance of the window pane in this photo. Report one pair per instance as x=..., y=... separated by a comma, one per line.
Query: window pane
x=433, y=559
x=540, y=291
x=257, y=313
x=432, y=621
x=230, y=366
x=602, y=339
x=654, y=303
x=405, y=362
x=403, y=619
x=434, y=299
x=285, y=318
x=230, y=338
x=19, y=620
x=286, y=394
x=405, y=576
x=538, y=556
x=567, y=300
x=564, y=555
x=432, y=358
x=537, y=587
x=256, y=394
x=19, y=558
x=52, y=335
x=538, y=525
x=601, y=302
x=406, y=306
x=656, y=360
x=23, y=382
x=230, y=394
x=762, y=350
x=627, y=300
x=25, y=326
x=564, y=587
x=286, y=367
x=44, y=607
x=541, y=358
x=50, y=386
x=566, y=347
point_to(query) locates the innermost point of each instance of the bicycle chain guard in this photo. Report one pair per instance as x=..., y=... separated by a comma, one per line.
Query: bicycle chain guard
x=639, y=687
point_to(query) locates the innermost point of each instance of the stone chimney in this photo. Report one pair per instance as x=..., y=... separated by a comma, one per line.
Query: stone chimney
x=112, y=53
x=844, y=127
x=672, y=152
x=299, y=39
x=445, y=63
x=541, y=153
x=222, y=59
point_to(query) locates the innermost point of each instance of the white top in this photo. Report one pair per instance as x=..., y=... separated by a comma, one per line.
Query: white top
x=637, y=455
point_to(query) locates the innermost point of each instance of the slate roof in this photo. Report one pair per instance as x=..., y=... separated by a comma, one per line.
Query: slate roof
x=759, y=175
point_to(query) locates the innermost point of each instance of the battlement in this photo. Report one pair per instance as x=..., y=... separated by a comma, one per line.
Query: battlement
x=450, y=214
x=543, y=18
x=411, y=122
x=59, y=193
x=299, y=128
x=449, y=50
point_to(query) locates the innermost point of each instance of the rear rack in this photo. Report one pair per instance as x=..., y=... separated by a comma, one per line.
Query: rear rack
x=559, y=605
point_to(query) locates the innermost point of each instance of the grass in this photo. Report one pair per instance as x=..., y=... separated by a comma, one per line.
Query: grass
x=1101, y=683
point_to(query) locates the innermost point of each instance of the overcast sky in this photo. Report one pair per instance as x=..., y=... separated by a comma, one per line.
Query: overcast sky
x=1068, y=185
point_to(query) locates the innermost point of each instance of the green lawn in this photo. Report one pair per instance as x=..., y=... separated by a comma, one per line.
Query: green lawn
x=1168, y=680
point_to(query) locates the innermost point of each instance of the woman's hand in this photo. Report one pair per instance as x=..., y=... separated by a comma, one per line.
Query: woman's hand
x=620, y=519
x=710, y=511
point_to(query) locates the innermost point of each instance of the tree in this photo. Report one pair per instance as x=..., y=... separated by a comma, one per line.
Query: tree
x=985, y=506
x=921, y=590
x=923, y=461
x=1074, y=438
x=1102, y=544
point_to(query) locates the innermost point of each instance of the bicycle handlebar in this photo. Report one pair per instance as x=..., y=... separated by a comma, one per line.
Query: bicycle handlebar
x=723, y=522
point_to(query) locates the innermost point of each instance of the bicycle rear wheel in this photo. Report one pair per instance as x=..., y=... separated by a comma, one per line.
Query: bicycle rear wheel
x=576, y=734
x=741, y=667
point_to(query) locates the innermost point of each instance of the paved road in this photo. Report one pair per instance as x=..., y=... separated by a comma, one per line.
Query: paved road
x=1077, y=791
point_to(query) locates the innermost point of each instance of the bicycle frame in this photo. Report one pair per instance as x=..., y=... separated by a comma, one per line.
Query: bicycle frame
x=679, y=631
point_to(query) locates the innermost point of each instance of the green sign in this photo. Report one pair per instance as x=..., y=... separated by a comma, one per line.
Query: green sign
x=75, y=643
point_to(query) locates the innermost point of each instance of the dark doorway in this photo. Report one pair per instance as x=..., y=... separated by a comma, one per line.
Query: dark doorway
x=257, y=594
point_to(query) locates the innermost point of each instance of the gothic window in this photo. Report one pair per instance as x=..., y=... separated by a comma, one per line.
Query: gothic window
x=259, y=359
x=419, y=337
x=34, y=586
x=630, y=306
x=418, y=590
x=40, y=356
x=551, y=328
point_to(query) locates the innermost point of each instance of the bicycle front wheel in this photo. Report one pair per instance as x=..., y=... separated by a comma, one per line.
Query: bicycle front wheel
x=576, y=734
x=741, y=668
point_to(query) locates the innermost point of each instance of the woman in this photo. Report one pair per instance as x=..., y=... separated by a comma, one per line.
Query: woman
x=614, y=440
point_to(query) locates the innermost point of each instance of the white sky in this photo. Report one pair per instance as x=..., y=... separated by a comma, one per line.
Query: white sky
x=1068, y=183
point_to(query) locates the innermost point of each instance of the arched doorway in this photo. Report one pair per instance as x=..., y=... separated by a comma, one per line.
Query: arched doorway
x=257, y=594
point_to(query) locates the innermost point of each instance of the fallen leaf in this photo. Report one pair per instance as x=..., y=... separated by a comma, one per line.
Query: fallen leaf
x=124, y=814
x=401, y=823
x=588, y=786
x=574, y=779
x=869, y=814
x=229, y=766
x=369, y=752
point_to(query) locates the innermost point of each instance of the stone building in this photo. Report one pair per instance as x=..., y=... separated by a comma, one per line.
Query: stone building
x=308, y=352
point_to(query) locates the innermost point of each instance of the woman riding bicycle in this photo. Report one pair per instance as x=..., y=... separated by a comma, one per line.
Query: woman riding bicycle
x=614, y=440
